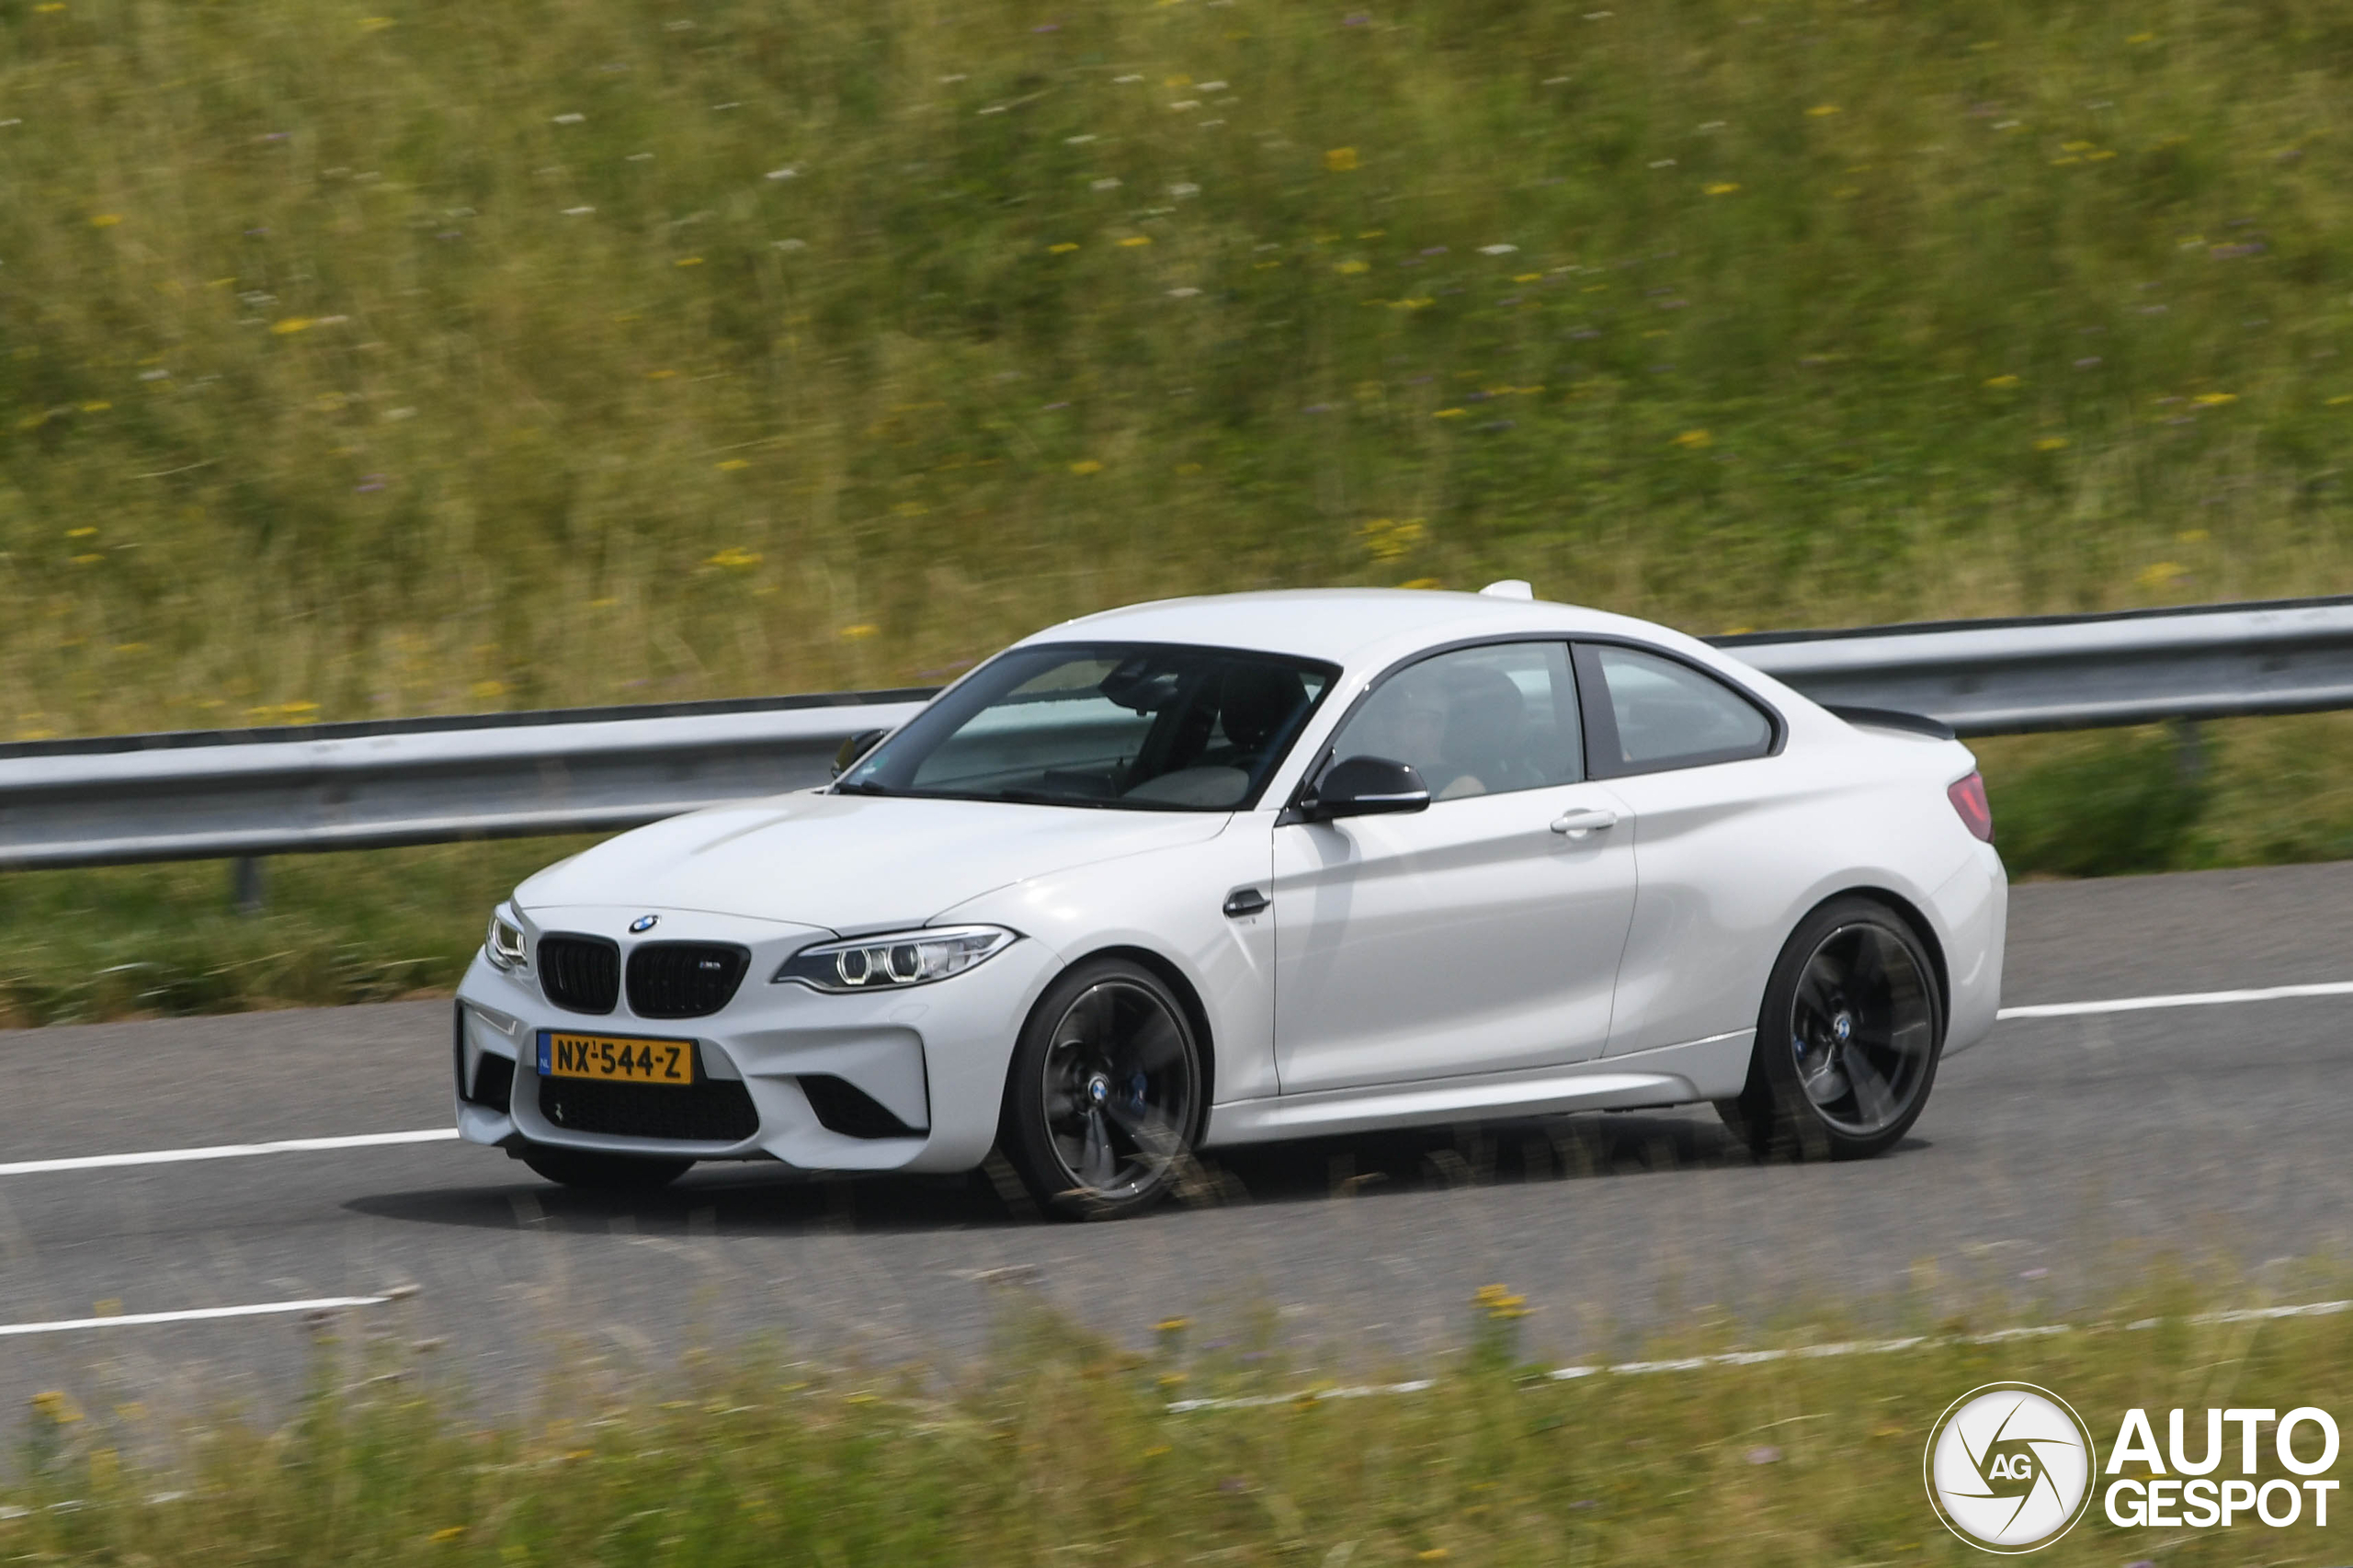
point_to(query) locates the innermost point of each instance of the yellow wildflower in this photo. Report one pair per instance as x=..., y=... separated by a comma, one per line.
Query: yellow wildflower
x=1339, y=159
x=1694, y=440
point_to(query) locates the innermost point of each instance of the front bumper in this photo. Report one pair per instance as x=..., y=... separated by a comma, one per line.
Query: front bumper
x=933, y=1057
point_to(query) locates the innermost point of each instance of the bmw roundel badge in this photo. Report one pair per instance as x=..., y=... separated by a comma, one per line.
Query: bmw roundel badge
x=643, y=923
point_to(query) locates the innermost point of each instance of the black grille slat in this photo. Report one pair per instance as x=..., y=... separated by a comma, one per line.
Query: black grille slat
x=684, y=980
x=716, y=1110
x=582, y=974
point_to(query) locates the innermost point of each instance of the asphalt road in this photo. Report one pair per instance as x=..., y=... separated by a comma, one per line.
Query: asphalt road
x=2061, y=1157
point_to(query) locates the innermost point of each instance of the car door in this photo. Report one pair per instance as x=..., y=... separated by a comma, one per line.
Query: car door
x=1698, y=762
x=1479, y=935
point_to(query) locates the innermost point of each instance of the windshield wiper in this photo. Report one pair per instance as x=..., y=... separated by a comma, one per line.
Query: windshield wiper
x=867, y=787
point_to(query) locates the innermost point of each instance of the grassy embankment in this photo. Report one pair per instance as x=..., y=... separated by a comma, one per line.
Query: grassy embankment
x=365, y=360
x=1063, y=1450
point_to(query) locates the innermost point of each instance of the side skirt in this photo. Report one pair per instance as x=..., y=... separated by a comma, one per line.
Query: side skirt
x=1698, y=1070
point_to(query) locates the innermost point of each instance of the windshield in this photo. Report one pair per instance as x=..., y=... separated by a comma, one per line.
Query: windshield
x=1131, y=726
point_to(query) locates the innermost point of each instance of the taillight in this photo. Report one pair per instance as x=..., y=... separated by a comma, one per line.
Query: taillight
x=1968, y=798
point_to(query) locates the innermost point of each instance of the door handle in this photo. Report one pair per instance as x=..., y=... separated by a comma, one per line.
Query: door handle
x=1245, y=900
x=1576, y=824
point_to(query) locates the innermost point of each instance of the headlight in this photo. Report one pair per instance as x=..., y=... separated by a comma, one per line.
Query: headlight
x=504, y=946
x=905, y=958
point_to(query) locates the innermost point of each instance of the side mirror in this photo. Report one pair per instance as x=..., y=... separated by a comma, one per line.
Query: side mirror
x=857, y=746
x=1363, y=787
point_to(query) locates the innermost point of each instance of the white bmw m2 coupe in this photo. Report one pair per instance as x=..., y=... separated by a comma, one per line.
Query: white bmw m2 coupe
x=1221, y=870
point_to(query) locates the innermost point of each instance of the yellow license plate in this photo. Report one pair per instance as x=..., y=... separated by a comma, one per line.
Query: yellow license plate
x=615, y=1059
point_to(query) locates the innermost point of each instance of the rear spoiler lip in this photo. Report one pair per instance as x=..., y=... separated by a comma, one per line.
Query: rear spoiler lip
x=1894, y=719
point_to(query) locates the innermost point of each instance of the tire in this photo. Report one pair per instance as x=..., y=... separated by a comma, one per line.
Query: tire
x=1106, y=1096
x=1847, y=1039
x=591, y=1172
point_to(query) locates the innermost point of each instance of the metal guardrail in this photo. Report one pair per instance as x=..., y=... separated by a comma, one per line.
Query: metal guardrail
x=211, y=796
x=1996, y=677
x=242, y=794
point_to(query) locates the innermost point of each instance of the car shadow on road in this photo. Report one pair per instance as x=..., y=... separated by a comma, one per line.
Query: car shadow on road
x=768, y=1199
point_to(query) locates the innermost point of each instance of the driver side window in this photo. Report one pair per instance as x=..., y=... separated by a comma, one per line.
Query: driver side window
x=1480, y=721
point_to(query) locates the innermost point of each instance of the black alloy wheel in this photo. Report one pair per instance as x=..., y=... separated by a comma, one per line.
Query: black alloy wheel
x=1848, y=1040
x=1105, y=1097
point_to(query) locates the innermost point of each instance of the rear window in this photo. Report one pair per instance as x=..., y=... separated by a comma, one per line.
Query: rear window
x=1664, y=713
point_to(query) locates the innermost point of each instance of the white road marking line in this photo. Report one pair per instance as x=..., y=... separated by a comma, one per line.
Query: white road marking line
x=227, y=1152
x=192, y=1315
x=1759, y=1358
x=2183, y=999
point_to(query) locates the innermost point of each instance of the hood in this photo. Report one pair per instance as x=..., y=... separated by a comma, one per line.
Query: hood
x=850, y=863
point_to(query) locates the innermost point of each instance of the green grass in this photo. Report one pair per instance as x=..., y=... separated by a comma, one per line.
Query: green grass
x=378, y=358
x=151, y=940
x=1062, y=1448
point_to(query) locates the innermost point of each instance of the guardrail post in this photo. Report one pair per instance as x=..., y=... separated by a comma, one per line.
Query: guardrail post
x=2189, y=751
x=247, y=893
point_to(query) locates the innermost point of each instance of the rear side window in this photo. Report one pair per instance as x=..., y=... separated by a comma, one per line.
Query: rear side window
x=1662, y=713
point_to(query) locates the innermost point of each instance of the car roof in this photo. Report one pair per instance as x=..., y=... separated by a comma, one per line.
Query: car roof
x=1345, y=626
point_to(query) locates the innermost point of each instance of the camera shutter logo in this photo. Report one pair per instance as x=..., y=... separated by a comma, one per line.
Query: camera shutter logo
x=2009, y=1467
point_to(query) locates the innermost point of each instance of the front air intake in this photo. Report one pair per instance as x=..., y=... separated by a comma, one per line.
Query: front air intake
x=716, y=1110
x=581, y=975
x=842, y=1106
x=494, y=1085
x=684, y=980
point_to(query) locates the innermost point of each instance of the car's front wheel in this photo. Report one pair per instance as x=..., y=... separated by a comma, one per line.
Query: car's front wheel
x=592, y=1171
x=1847, y=1041
x=1105, y=1097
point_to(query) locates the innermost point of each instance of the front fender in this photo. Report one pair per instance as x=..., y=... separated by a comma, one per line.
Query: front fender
x=1170, y=904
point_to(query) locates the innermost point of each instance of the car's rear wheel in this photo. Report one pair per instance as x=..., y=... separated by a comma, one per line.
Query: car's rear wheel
x=593, y=1171
x=1105, y=1098
x=1847, y=1039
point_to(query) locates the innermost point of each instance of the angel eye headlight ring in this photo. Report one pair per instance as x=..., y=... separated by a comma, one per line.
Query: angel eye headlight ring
x=504, y=944
x=894, y=959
